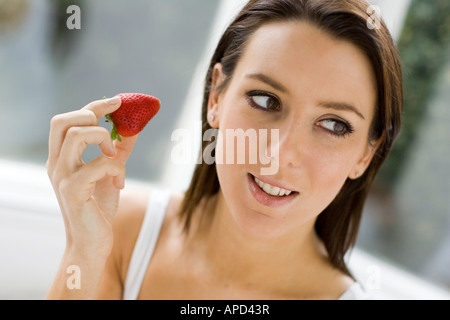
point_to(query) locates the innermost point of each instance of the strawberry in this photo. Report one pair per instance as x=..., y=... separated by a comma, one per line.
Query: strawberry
x=133, y=115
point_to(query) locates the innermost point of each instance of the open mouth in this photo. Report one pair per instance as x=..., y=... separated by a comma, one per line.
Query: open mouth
x=269, y=194
x=272, y=190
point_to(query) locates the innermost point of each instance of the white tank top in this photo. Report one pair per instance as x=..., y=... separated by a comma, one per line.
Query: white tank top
x=148, y=237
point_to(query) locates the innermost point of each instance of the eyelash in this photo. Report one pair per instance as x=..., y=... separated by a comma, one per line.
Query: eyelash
x=250, y=98
x=251, y=101
x=348, y=128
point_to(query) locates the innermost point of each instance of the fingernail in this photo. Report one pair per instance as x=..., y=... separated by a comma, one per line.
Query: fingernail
x=113, y=101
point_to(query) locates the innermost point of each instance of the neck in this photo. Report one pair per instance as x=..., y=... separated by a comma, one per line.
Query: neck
x=237, y=257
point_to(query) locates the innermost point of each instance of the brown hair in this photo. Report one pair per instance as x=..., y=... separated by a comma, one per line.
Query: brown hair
x=347, y=20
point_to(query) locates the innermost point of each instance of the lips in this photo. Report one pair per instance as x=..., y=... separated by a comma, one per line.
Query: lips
x=271, y=194
x=272, y=190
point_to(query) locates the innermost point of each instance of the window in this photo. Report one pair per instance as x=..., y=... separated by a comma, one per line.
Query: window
x=144, y=46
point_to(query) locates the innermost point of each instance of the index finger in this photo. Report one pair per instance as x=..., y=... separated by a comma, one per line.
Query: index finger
x=103, y=107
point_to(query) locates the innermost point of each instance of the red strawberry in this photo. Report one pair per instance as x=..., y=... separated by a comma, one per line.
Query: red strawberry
x=133, y=115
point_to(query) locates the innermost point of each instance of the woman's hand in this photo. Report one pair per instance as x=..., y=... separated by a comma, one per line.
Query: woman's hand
x=88, y=193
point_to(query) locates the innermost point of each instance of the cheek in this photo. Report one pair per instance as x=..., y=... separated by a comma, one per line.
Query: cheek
x=228, y=168
x=328, y=172
x=239, y=134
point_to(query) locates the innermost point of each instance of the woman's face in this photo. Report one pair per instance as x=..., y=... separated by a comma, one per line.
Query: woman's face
x=320, y=93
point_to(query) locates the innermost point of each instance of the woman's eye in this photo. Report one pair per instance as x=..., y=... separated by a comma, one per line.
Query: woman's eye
x=336, y=127
x=265, y=102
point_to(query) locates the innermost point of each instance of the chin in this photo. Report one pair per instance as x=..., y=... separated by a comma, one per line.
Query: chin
x=260, y=226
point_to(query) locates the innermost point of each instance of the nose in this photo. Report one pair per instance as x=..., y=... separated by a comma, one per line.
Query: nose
x=294, y=146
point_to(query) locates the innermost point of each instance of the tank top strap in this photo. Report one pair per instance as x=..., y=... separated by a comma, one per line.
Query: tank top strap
x=146, y=242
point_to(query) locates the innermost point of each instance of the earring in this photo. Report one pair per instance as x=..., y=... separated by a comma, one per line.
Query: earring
x=357, y=175
x=212, y=118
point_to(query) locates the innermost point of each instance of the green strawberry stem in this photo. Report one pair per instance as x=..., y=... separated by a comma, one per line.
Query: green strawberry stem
x=114, y=134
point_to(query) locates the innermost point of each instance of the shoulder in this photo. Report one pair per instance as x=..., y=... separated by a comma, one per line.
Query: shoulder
x=127, y=223
x=133, y=207
x=126, y=226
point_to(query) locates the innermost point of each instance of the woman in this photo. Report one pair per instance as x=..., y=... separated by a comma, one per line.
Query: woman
x=332, y=88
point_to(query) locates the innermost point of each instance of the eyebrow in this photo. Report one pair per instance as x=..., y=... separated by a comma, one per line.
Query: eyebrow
x=271, y=82
x=341, y=106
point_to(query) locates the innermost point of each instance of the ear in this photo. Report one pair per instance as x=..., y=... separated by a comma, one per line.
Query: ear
x=362, y=165
x=213, y=103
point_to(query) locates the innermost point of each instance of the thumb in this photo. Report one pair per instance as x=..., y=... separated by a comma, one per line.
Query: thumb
x=124, y=148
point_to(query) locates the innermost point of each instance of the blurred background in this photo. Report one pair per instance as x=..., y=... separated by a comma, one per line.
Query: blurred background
x=162, y=48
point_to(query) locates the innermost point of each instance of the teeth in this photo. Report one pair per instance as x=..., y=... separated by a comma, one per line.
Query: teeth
x=273, y=191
